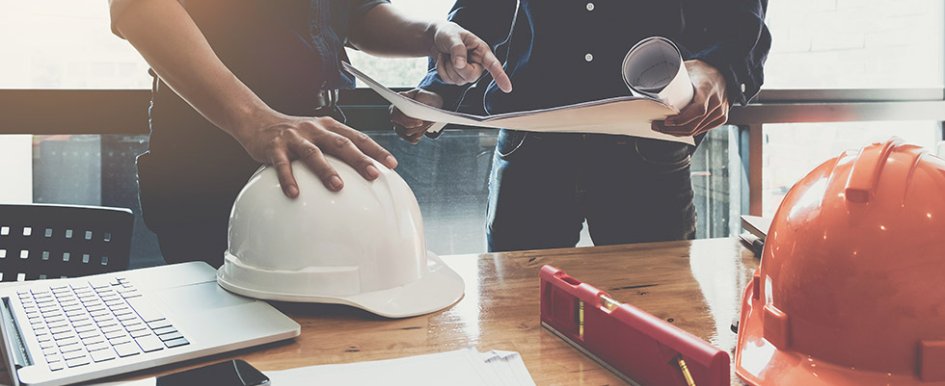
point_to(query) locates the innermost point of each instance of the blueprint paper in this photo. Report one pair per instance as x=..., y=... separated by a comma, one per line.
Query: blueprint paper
x=658, y=83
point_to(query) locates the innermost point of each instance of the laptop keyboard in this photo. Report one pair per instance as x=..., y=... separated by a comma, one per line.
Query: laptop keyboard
x=97, y=321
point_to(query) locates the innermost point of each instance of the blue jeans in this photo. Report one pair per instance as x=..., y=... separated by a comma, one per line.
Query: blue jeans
x=543, y=186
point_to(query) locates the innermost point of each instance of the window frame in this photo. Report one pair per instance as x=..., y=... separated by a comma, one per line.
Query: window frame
x=52, y=112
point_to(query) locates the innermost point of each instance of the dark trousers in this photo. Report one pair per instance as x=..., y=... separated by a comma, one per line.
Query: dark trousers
x=187, y=204
x=630, y=190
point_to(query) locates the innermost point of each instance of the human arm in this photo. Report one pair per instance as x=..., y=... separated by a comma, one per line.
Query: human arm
x=461, y=57
x=169, y=40
x=491, y=20
x=726, y=44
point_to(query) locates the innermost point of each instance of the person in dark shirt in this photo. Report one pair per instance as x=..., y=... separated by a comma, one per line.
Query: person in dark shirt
x=544, y=186
x=244, y=83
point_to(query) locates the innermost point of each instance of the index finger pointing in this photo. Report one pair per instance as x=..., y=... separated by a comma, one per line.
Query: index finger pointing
x=492, y=64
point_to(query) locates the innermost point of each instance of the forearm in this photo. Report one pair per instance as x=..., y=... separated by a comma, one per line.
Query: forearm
x=491, y=20
x=169, y=40
x=731, y=36
x=386, y=31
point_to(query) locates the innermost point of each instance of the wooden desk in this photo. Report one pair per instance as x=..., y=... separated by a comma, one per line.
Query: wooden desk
x=695, y=285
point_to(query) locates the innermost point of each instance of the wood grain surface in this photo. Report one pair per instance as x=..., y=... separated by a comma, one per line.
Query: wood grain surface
x=695, y=285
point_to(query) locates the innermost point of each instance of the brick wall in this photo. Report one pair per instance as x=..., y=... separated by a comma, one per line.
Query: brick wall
x=856, y=43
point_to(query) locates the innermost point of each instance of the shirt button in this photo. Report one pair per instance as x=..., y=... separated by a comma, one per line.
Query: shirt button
x=590, y=7
x=588, y=58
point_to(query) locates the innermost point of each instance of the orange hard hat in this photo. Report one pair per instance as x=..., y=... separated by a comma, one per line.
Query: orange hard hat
x=851, y=287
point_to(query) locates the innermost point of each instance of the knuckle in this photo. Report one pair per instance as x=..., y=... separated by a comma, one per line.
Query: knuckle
x=343, y=142
x=274, y=143
x=308, y=125
x=311, y=152
x=362, y=139
x=318, y=124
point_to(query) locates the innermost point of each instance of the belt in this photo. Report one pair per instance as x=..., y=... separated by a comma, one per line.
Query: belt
x=326, y=104
x=326, y=99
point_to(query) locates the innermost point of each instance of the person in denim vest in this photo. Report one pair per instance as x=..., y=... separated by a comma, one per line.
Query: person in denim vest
x=544, y=186
x=244, y=83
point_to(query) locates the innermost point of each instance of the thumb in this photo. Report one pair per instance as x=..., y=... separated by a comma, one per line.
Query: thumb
x=412, y=94
x=429, y=98
x=455, y=48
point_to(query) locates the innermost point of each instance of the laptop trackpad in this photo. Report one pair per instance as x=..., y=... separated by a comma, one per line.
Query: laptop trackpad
x=196, y=298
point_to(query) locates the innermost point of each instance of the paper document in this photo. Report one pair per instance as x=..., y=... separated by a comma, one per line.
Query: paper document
x=653, y=70
x=757, y=225
x=462, y=367
x=455, y=368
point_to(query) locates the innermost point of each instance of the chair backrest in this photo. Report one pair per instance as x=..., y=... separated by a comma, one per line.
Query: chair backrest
x=53, y=241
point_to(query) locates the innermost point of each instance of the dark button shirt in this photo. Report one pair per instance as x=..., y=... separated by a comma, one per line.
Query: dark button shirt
x=565, y=51
x=283, y=50
x=286, y=51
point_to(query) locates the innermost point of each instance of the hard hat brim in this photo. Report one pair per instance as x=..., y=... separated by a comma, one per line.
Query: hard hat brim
x=759, y=363
x=438, y=288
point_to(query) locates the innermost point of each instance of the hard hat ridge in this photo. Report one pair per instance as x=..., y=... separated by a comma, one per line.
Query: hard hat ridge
x=849, y=290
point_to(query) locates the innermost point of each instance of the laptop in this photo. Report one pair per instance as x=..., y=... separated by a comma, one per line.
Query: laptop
x=64, y=331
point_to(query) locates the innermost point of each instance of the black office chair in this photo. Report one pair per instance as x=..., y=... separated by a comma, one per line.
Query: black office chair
x=54, y=241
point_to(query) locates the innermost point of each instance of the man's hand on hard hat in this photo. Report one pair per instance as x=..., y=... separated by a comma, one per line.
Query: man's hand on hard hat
x=461, y=58
x=709, y=106
x=277, y=139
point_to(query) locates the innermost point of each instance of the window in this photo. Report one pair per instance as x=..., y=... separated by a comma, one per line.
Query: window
x=15, y=170
x=59, y=44
x=860, y=44
x=65, y=44
x=94, y=170
x=793, y=150
x=855, y=44
x=80, y=52
x=402, y=72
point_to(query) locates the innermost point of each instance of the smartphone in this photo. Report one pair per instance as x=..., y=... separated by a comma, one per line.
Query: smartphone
x=232, y=373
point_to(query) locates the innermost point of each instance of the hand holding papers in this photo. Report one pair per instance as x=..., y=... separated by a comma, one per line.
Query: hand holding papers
x=653, y=70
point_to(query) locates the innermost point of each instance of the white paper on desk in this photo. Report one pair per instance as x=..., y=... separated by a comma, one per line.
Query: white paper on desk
x=461, y=367
x=509, y=367
x=645, y=67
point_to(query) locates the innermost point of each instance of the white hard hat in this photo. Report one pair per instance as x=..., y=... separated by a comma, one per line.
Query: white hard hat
x=362, y=246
